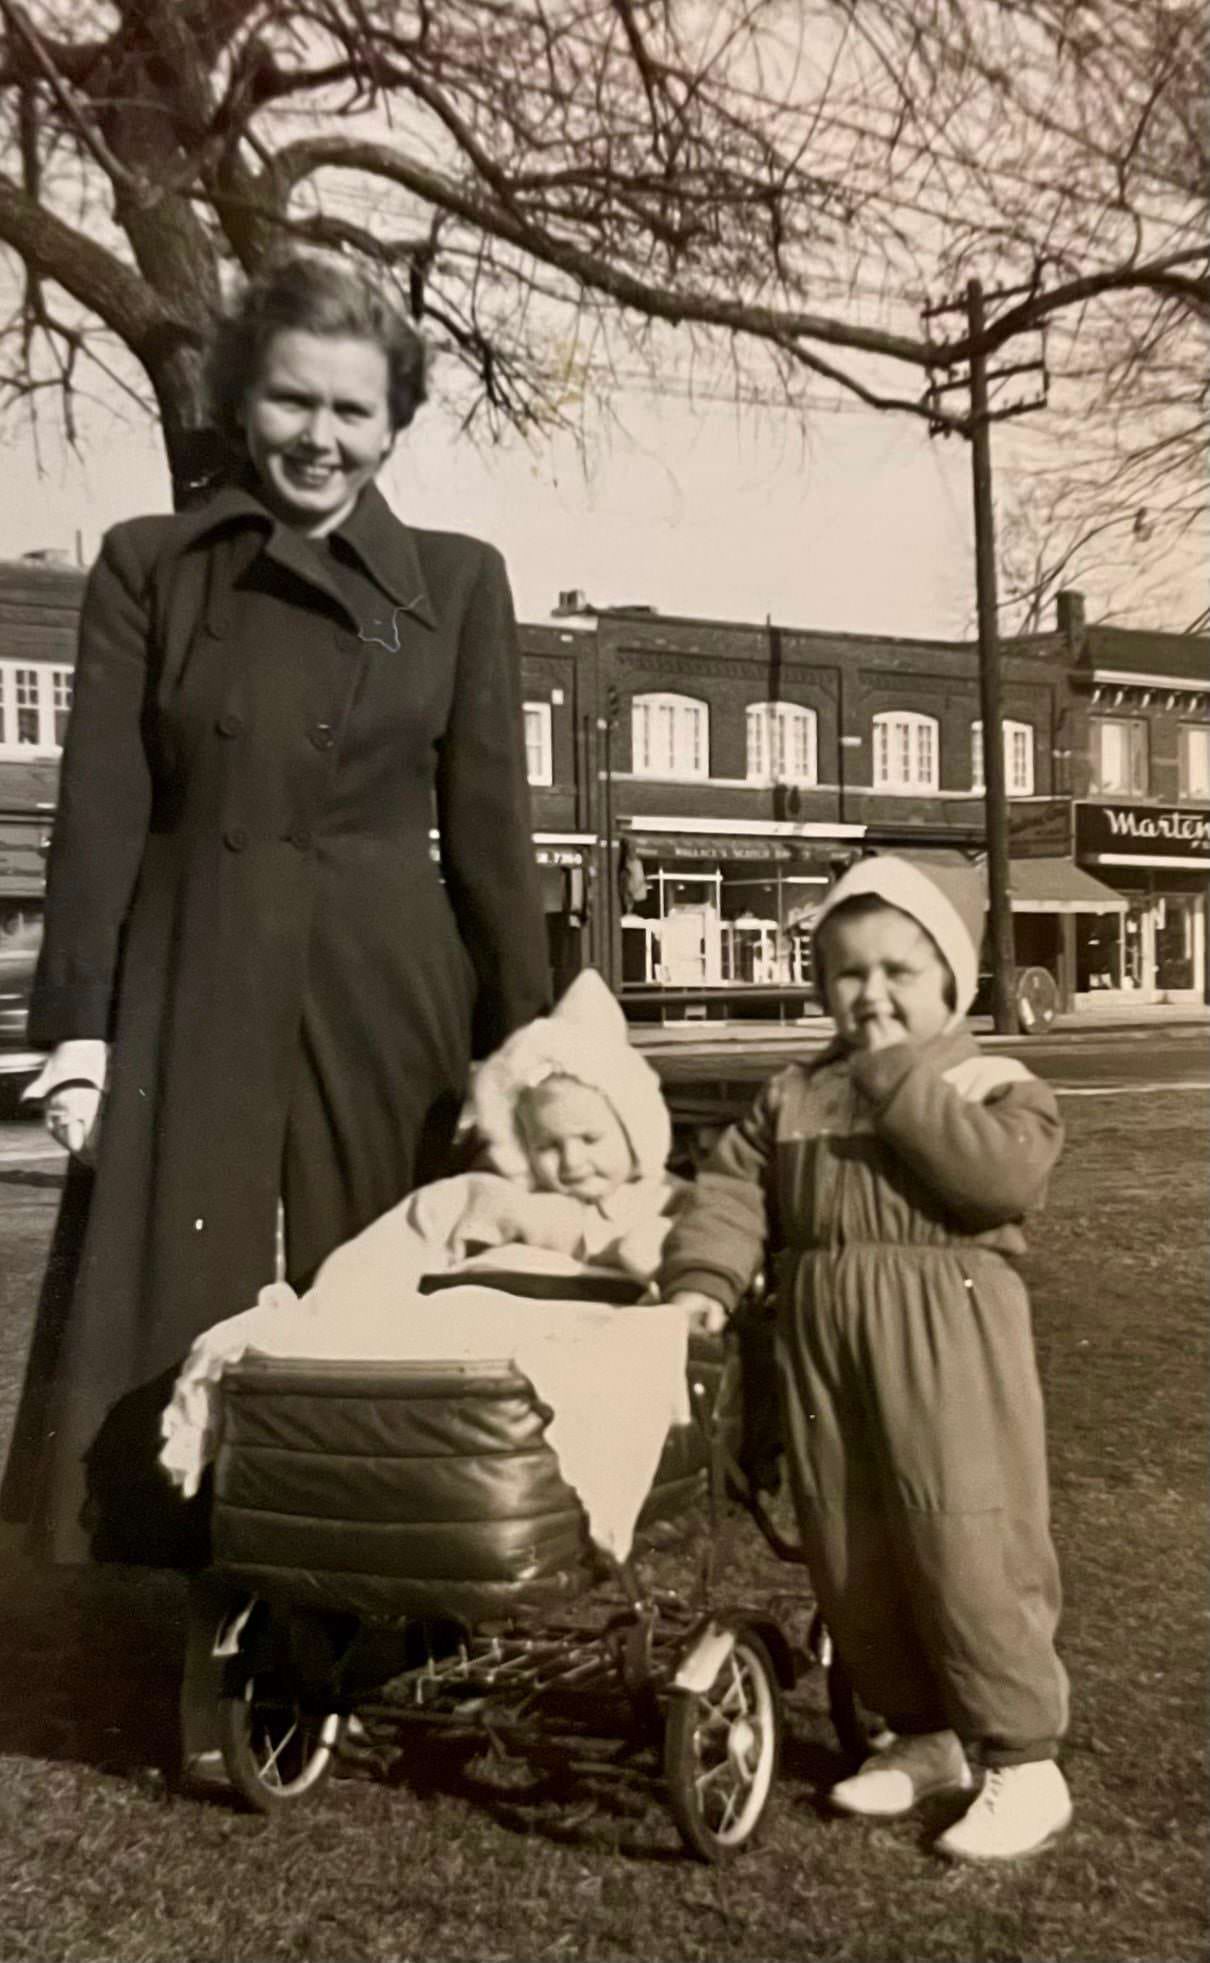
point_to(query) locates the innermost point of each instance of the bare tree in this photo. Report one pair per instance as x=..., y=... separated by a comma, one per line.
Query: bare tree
x=547, y=179
x=1058, y=530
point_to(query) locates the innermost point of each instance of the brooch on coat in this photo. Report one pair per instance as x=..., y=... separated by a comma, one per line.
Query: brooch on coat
x=393, y=645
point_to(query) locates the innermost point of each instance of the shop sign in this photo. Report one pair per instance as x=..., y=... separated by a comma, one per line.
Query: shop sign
x=711, y=847
x=1040, y=829
x=1143, y=831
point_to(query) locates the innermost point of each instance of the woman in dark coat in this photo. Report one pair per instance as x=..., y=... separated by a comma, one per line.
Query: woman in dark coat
x=280, y=699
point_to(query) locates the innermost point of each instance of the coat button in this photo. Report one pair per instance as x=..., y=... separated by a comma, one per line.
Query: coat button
x=302, y=837
x=229, y=724
x=235, y=838
x=322, y=735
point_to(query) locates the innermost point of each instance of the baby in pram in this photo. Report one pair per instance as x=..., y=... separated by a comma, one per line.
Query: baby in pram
x=573, y=1136
x=570, y=1186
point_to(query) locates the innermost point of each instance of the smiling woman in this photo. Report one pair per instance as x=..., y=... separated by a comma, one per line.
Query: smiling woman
x=317, y=424
x=249, y=953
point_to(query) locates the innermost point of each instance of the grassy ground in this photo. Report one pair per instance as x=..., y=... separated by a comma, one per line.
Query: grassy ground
x=450, y=1858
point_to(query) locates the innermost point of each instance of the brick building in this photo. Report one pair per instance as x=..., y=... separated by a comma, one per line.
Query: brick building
x=1140, y=807
x=696, y=785
x=39, y=603
x=749, y=763
x=737, y=767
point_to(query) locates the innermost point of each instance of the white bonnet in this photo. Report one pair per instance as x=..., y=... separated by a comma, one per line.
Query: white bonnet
x=948, y=901
x=584, y=1037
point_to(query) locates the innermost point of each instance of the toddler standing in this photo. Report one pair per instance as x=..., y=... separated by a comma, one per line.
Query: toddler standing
x=888, y=1181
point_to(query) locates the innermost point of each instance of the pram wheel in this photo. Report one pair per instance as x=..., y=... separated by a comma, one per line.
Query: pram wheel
x=275, y=1750
x=721, y=1751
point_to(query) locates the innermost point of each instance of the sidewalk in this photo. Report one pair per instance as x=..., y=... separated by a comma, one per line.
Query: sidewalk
x=716, y=1038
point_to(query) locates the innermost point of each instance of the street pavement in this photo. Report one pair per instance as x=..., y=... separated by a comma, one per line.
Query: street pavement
x=717, y=1069
x=1107, y=1060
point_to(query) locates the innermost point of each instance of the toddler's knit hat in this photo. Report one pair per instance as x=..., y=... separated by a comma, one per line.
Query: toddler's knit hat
x=947, y=901
x=584, y=1037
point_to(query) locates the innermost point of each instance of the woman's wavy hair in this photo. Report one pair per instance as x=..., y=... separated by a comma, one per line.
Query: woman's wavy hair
x=309, y=294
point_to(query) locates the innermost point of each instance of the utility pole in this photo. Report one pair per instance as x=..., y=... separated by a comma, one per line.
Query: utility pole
x=977, y=428
x=995, y=791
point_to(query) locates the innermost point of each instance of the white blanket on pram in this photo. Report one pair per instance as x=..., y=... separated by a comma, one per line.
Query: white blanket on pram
x=614, y=1378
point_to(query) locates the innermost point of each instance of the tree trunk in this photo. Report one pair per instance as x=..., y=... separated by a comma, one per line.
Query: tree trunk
x=197, y=455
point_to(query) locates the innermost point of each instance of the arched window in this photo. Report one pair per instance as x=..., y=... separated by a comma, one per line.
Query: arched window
x=670, y=736
x=906, y=752
x=781, y=743
x=1018, y=758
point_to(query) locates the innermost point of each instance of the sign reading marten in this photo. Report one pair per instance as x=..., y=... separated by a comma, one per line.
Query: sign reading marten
x=1143, y=831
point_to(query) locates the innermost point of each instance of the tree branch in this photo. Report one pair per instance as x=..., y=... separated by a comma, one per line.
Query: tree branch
x=43, y=65
x=297, y=161
x=89, y=272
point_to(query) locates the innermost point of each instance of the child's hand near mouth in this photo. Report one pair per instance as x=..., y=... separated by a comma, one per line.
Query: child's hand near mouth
x=879, y=1032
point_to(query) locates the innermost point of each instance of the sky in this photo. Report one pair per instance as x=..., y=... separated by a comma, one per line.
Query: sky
x=857, y=521
x=854, y=521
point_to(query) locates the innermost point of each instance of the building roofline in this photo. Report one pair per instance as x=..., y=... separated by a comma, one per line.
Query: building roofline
x=1041, y=645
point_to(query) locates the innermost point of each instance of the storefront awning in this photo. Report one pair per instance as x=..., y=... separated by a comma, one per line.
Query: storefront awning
x=1059, y=886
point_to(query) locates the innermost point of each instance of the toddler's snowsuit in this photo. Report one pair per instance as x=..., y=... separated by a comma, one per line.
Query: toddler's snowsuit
x=889, y=1187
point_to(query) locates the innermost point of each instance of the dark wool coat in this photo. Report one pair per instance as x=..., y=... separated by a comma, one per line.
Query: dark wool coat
x=243, y=899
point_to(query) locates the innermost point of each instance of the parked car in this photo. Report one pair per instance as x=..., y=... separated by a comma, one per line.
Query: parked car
x=19, y=1063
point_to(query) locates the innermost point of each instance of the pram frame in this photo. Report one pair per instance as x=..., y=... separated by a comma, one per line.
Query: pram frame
x=697, y=1681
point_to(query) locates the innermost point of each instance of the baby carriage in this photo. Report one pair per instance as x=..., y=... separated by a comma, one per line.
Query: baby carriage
x=407, y=1553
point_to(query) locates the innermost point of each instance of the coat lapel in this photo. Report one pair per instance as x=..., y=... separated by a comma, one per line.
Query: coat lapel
x=385, y=549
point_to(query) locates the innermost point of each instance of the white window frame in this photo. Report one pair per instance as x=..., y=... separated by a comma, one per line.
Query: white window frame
x=783, y=743
x=1195, y=768
x=1135, y=779
x=669, y=736
x=36, y=685
x=539, y=746
x=906, y=752
x=1018, y=740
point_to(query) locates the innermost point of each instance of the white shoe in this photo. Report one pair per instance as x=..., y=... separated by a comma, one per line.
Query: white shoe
x=1019, y=1810
x=905, y=1771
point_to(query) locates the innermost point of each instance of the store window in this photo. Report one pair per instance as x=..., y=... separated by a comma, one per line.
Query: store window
x=670, y=736
x=782, y=744
x=34, y=702
x=766, y=927
x=1195, y=760
x=1098, y=952
x=1118, y=756
x=906, y=752
x=671, y=936
x=539, y=762
x=1176, y=916
x=1018, y=758
x=743, y=923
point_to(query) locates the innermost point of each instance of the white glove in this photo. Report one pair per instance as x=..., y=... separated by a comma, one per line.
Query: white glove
x=72, y=1113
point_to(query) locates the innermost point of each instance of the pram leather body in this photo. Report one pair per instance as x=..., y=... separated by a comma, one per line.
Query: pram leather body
x=405, y=1490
